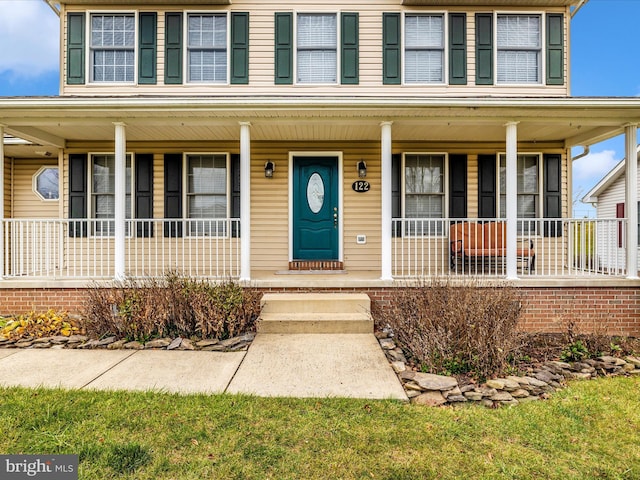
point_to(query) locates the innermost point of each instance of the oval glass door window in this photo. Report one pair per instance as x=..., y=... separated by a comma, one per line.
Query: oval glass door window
x=315, y=193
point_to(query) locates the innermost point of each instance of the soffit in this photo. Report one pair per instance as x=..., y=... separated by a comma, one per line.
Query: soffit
x=62, y=121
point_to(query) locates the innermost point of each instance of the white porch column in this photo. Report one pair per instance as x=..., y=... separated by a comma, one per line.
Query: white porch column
x=245, y=201
x=631, y=198
x=385, y=143
x=1, y=202
x=512, y=200
x=120, y=200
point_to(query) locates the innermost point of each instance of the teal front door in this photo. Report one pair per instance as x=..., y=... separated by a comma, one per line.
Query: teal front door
x=316, y=217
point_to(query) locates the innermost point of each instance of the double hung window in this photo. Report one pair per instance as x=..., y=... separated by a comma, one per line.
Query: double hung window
x=424, y=187
x=113, y=48
x=103, y=169
x=519, y=49
x=207, y=48
x=207, y=193
x=424, y=48
x=528, y=185
x=317, y=41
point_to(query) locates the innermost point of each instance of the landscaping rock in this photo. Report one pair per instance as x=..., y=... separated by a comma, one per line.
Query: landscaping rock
x=495, y=383
x=135, y=345
x=117, y=344
x=77, y=339
x=473, y=396
x=387, y=344
x=519, y=393
x=501, y=397
x=396, y=355
x=42, y=345
x=158, y=343
x=207, y=342
x=429, y=381
x=186, y=344
x=633, y=360
x=398, y=366
x=431, y=399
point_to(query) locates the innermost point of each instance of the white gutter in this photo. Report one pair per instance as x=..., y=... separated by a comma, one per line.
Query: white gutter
x=52, y=4
x=585, y=152
x=578, y=7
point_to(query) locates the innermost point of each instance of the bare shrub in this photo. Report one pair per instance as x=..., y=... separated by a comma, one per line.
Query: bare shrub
x=173, y=305
x=456, y=328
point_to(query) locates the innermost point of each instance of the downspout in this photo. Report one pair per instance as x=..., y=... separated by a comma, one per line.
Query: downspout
x=578, y=7
x=585, y=152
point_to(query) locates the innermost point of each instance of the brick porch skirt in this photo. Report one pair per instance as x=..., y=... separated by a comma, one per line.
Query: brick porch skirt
x=544, y=309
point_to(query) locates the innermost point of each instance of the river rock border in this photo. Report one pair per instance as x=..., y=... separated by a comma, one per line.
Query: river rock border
x=233, y=344
x=539, y=382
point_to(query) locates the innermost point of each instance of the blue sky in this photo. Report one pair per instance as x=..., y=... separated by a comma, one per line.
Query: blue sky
x=604, y=61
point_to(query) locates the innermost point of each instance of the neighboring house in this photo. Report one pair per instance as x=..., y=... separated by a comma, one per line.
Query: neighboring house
x=608, y=198
x=263, y=142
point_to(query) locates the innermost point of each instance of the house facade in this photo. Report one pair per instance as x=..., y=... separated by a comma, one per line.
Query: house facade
x=307, y=146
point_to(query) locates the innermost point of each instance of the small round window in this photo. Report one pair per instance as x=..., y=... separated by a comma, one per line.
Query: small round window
x=46, y=183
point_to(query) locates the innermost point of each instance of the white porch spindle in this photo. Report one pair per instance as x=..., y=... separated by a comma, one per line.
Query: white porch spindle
x=386, y=200
x=1, y=202
x=512, y=200
x=631, y=198
x=120, y=201
x=245, y=201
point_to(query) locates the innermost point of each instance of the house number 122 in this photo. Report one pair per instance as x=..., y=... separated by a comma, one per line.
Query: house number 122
x=361, y=186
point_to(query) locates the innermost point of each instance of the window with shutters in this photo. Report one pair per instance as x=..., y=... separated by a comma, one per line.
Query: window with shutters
x=112, y=48
x=207, y=193
x=207, y=48
x=528, y=188
x=424, y=191
x=317, y=48
x=519, y=49
x=102, y=189
x=424, y=48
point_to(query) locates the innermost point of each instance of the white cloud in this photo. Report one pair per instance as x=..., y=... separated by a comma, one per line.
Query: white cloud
x=29, y=38
x=594, y=166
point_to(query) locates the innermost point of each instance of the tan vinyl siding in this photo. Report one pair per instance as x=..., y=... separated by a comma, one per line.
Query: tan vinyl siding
x=261, y=55
x=26, y=202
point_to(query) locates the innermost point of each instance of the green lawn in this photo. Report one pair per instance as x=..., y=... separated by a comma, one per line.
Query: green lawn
x=590, y=430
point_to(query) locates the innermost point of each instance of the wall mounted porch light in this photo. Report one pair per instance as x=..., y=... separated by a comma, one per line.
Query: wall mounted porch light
x=269, y=168
x=362, y=169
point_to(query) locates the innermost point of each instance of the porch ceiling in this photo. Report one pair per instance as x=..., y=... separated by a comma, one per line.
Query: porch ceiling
x=60, y=121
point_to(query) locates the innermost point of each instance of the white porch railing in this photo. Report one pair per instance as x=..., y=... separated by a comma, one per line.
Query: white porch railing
x=546, y=247
x=55, y=249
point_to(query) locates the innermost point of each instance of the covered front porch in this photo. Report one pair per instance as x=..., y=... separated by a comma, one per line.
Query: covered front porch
x=376, y=242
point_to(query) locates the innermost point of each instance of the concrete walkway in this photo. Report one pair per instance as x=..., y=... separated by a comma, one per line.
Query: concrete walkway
x=291, y=365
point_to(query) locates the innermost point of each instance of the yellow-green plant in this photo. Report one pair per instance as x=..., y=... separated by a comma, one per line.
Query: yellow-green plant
x=39, y=324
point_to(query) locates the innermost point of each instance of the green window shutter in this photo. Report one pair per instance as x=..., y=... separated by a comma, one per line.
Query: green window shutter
x=350, y=56
x=147, y=48
x=240, y=48
x=555, y=49
x=486, y=186
x=77, y=194
x=552, y=194
x=284, y=48
x=484, y=49
x=173, y=194
x=457, y=186
x=391, y=53
x=396, y=192
x=173, y=49
x=75, y=48
x=458, y=49
x=144, y=193
x=235, y=192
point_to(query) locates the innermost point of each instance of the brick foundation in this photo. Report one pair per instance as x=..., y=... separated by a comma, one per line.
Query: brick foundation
x=544, y=309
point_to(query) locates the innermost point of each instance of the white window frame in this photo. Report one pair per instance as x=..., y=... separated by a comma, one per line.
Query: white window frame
x=541, y=49
x=90, y=49
x=539, y=194
x=36, y=175
x=337, y=48
x=186, y=194
x=445, y=193
x=90, y=196
x=186, y=47
x=445, y=47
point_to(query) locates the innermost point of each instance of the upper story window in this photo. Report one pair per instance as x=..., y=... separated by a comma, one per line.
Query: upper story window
x=519, y=49
x=424, y=48
x=112, y=57
x=207, y=48
x=317, y=48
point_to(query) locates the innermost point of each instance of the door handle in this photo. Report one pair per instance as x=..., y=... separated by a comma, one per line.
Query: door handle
x=335, y=217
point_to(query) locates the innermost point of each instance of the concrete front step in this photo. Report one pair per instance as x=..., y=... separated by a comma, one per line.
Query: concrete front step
x=298, y=313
